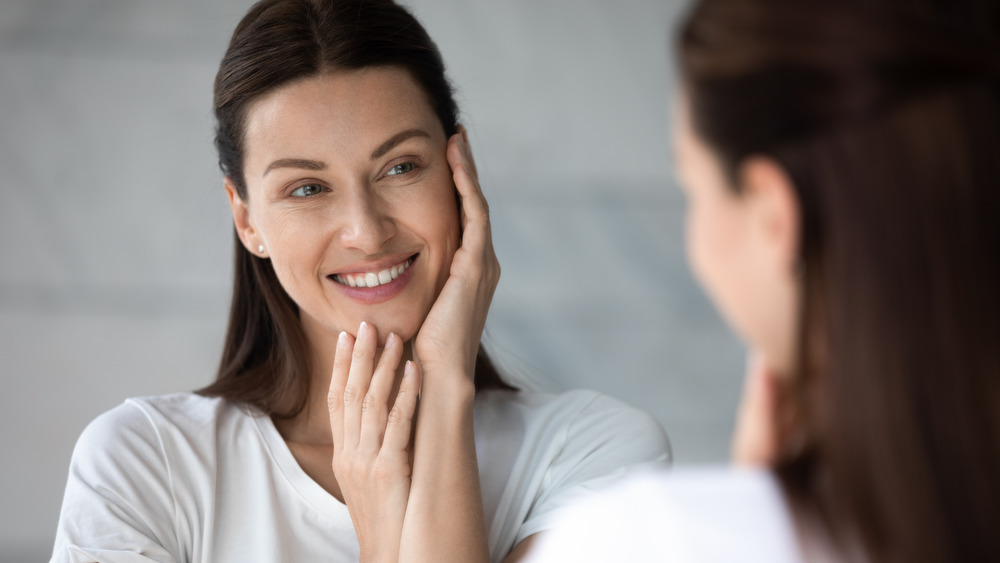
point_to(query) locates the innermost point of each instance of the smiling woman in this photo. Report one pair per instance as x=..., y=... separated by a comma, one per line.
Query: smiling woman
x=364, y=271
x=385, y=201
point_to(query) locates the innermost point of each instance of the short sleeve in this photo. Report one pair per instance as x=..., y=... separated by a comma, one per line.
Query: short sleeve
x=604, y=441
x=118, y=505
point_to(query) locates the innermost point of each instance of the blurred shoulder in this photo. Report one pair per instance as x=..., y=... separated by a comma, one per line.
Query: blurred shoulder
x=711, y=514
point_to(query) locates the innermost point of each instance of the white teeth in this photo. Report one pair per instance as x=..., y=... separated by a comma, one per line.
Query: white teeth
x=373, y=279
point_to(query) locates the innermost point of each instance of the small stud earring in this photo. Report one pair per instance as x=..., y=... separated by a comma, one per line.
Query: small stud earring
x=260, y=249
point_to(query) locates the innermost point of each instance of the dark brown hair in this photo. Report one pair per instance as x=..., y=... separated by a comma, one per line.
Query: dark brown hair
x=265, y=359
x=887, y=119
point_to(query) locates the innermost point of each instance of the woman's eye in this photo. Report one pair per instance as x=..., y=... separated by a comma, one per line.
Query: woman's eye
x=307, y=190
x=400, y=169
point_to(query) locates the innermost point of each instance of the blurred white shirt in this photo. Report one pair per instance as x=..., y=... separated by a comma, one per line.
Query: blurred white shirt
x=704, y=515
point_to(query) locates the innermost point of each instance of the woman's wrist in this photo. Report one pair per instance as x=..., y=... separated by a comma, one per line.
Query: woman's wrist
x=453, y=386
x=378, y=556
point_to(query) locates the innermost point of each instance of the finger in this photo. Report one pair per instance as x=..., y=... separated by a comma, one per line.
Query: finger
x=475, y=210
x=400, y=420
x=468, y=151
x=335, y=395
x=362, y=361
x=460, y=159
x=375, y=408
x=755, y=442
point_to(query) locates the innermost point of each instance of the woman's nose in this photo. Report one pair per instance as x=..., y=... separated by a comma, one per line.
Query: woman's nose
x=366, y=224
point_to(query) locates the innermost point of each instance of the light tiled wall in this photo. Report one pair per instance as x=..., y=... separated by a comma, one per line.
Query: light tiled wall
x=115, y=235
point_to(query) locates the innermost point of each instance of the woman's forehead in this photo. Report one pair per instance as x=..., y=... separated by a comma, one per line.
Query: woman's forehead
x=345, y=111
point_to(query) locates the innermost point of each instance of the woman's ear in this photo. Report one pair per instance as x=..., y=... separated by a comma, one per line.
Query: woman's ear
x=774, y=211
x=242, y=220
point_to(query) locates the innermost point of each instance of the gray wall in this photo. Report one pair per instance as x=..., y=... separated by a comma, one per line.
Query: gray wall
x=115, y=232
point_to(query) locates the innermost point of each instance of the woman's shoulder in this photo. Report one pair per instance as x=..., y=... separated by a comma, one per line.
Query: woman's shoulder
x=573, y=404
x=178, y=410
x=712, y=496
x=151, y=426
x=577, y=414
x=145, y=470
x=540, y=452
x=716, y=514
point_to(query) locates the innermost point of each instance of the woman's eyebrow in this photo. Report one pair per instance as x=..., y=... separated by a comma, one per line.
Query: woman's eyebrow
x=396, y=139
x=307, y=164
x=295, y=163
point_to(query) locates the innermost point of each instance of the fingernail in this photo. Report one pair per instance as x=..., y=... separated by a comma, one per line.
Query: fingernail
x=342, y=340
x=410, y=370
x=362, y=328
x=390, y=339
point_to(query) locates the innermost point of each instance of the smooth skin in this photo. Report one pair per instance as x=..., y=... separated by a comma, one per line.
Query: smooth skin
x=743, y=246
x=352, y=169
x=372, y=454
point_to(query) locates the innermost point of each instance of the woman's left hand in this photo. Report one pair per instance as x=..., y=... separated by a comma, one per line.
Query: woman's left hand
x=449, y=337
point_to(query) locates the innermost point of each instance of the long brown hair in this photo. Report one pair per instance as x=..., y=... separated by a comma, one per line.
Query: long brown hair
x=887, y=119
x=265, y=359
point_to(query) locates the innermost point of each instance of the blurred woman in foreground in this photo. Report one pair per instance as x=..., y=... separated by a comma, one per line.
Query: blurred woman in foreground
x=842, y=167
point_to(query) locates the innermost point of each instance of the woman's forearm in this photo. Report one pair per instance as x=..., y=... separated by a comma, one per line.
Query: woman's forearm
x=444, y=515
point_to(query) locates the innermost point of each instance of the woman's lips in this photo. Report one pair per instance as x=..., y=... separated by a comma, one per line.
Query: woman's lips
x=374, y=278
x=375, y=286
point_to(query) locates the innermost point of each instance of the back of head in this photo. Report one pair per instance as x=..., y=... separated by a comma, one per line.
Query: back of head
x=886, y=116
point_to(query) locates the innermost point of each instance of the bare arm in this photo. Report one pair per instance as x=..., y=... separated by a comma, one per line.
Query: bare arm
x=444, y=515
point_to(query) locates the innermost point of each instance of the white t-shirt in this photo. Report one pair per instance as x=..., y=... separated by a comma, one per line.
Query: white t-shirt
x=717, y=515
x=187, y=478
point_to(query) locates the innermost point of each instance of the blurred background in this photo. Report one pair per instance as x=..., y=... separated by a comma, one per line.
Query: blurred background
x=115, y=233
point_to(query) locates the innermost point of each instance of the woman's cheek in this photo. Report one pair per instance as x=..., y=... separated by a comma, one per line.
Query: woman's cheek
x=696, y=244
x=709, y=251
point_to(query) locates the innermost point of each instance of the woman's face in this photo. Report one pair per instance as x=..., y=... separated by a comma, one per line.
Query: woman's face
x=741, y=246
x=351, y=197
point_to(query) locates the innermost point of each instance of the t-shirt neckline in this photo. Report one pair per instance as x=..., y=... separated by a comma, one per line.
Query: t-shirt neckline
x=310, y=491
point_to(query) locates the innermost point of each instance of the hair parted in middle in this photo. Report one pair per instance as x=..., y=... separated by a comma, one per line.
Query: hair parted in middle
x=265, y=362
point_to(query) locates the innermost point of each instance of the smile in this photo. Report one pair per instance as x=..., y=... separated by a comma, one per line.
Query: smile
x=375, y=278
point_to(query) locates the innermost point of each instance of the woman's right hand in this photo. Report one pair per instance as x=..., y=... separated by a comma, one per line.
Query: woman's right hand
x=448, y=341
x=371, y=454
